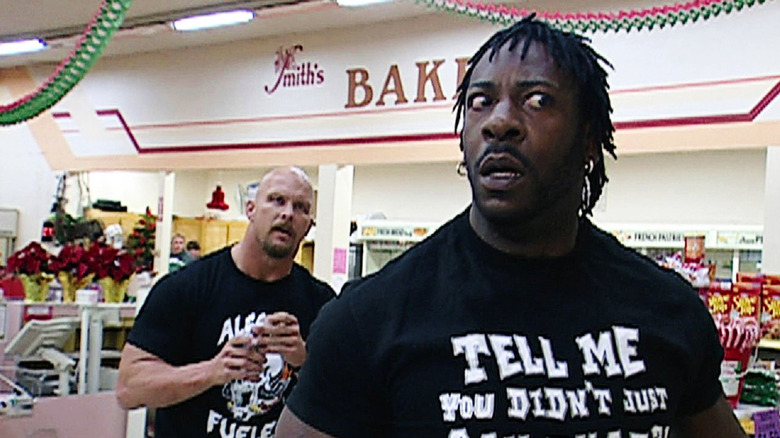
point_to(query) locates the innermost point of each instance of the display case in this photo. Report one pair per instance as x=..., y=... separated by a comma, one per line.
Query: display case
x=731, y=248
x=383, y=240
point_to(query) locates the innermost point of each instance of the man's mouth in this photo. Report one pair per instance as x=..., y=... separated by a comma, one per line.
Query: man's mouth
x=500, y=171
x=282, y=230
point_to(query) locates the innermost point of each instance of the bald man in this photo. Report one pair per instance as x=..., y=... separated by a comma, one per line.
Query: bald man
x=216, y=347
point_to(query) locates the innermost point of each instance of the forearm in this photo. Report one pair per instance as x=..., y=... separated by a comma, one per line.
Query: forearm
x=149, y=381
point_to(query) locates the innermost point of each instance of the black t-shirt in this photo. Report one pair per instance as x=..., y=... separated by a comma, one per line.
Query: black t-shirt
x=456, y=339
x=190, y=314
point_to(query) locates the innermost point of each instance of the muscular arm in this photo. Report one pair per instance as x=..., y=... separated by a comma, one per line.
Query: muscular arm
x=716, y=422
x=290, y=426
x=146, y=380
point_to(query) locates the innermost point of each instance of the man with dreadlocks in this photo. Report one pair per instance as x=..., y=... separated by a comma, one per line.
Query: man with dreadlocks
x=519, y=318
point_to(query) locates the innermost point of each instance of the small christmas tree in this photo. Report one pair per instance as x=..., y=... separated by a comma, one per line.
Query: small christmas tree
x=140, y=243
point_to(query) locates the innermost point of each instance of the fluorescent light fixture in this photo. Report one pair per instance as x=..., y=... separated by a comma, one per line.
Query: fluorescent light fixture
x=217, y=19
x=356, y=3
x=22, y=46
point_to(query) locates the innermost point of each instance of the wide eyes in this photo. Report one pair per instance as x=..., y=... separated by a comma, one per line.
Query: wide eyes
x=535, y=100
x=477, y=101
x=538, y=100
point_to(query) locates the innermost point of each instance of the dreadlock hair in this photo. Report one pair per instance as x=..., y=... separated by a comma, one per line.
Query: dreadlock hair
x=574, y=56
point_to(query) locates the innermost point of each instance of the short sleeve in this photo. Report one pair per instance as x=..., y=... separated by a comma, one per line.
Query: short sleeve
x=336, y=392
x=160, y=325
x=704, y=387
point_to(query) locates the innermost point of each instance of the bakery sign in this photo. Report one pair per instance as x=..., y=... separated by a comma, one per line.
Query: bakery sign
x=739, y=239
x=394, y=233
x=388, y=231
x=714, y=239
x=653, y=238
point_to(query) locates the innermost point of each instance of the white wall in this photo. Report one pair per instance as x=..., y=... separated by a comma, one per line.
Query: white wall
x=716, y=187
x=26, y=182
x=425, y=192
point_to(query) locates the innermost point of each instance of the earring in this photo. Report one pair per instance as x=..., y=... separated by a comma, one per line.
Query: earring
x=460, y=168
x=589, y=166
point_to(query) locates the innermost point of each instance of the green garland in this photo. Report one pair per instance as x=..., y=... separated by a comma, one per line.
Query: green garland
x=647, y=18
x=72, y=69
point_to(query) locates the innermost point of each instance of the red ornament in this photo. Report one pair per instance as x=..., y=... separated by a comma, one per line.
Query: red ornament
x=218, y=200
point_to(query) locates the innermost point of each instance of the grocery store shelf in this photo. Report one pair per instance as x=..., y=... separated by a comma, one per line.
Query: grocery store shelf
x=773, y=344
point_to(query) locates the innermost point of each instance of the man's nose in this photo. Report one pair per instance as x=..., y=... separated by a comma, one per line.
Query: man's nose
x=503, y=124
x=287, y=210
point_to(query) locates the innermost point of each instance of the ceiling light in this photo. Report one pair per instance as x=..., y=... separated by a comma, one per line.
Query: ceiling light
x=22, y=46
x=356, y=3
x=217, y=19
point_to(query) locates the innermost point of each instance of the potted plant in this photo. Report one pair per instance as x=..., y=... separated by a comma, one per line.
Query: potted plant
x=113, y=270
x=74, y=268
x=31, y=265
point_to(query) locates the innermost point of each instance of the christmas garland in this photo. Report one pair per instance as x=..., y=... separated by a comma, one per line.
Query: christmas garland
x=73, y=68
x=646, y=18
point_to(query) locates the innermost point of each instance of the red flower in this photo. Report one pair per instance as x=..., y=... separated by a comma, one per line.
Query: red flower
x=73, y=259
x=30, y=260
x=110, y=262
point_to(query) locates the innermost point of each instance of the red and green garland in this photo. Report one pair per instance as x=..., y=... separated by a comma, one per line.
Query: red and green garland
x=647, y=18
x=73, y=68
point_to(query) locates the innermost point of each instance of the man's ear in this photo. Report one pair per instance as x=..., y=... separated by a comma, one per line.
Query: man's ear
x=312, y=223
x=591, y=146
x=250, y=209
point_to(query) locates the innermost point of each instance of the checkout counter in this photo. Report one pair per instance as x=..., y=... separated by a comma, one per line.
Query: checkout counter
x=58, y=369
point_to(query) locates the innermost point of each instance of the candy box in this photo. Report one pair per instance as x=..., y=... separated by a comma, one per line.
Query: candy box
x=770, y=311
x=718, y=299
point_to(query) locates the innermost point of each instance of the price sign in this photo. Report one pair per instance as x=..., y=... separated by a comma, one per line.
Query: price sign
x=767, y=424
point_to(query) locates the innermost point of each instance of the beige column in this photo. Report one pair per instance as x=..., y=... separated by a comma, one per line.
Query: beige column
x=334, y=211
x=162, y=238
x=770, y=258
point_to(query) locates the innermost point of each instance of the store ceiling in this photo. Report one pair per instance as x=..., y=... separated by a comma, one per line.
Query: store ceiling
x=63, y=21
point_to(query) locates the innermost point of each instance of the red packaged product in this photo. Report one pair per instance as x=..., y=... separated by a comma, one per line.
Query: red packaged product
x=770, y=311
x=719, y=300
x=750, y=277
x=739, y=335
x=746, y=301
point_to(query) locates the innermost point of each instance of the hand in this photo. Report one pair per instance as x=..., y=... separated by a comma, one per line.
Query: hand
x=240, y=358
x=281, y=334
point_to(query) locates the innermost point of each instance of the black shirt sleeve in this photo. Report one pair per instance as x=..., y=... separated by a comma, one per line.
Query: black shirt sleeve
x=160, y=327
x=336, y=393
x=704, y=387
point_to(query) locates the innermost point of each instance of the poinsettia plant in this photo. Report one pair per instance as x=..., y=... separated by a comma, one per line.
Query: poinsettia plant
x=75, y=269
x=110, y=262
x=33, y=259
x=73, y=260
x=31, y=265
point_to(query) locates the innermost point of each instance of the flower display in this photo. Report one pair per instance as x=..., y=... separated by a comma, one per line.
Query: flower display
x=109, y=262
x=31, y=260
x=113, y=269
x=75, y=268
x=31, y=265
